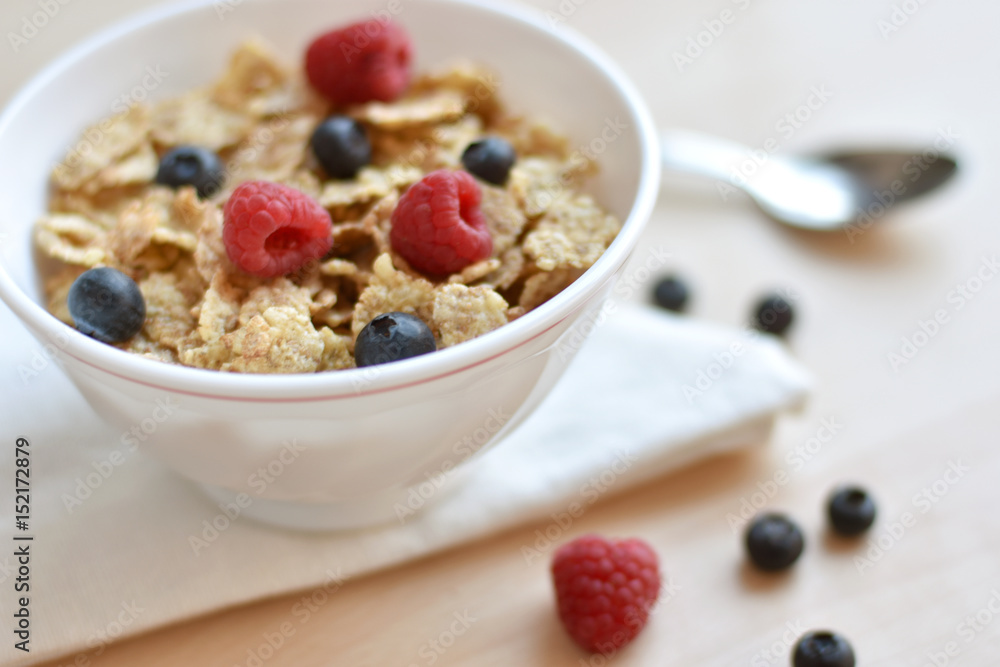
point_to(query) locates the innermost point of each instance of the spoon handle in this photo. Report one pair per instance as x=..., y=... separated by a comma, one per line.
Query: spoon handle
x=696, y=153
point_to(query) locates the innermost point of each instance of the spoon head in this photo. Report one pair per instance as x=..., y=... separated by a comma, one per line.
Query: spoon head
x=899, y=175
x=808, y=194
x=839, y=189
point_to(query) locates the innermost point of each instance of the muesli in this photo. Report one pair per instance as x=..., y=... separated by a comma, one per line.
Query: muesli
x=159, y=191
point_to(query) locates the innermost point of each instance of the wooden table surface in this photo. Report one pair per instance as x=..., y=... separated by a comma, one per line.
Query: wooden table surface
x=919, y=428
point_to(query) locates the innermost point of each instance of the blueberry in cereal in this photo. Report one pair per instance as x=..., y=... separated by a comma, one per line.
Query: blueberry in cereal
x=345, y=191
x=341, y=146
x=191, y=165
x=106, y=304
x=391, y=337
x=490, y=159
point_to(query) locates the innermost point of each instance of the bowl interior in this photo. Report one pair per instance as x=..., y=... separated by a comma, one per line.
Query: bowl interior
x=167, y=52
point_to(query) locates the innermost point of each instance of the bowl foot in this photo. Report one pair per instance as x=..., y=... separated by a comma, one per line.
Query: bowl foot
x=393, y=507
x=345, y=515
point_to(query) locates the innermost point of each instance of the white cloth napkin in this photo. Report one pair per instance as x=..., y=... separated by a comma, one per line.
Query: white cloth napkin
x=648, y=393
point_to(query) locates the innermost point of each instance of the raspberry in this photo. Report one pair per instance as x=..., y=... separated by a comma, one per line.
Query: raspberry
x=605, y=590
x=437, y=226
x=270, y=230
x=365, y=61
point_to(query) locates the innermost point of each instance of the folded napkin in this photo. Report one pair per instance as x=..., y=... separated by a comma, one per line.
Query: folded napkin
x=648, y=393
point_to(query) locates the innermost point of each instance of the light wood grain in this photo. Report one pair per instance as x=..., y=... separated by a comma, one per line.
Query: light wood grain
x=902, y=429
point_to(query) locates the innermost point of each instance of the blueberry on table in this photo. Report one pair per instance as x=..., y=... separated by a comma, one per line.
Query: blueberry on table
x=773, y=315
x=851, y=511
x=391, y=337
x=773, y=542
x=192, y=165
x=671, y=293
x=489, y=159
x=341, y=145
x=822, y=648
x=106, y=304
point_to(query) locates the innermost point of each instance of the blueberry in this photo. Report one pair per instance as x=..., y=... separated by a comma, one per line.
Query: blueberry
x=773, y=542
x=773, y=315
x=106, y=304
x=391, y=337
x=490, y=159
x=671, y=293
x=851, y=511
x=822, y=648
x=192, y=165
x=341, y=145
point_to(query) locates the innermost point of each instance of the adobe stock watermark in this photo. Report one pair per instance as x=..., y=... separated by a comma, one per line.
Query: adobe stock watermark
x=432, y=650
x=899, y=16
x=911, y=172
x=258, y=481
x=247, y=151
x=423, y=148
x=381, y=16
x=563, y=12
x=32, y=24
x=461, y=450
x=121, y=106
x=98, y=641
x=777, y=652
x=957, y=298
x=696, y=45
x=7, y=569
x=795, y=460
x=42, y=358
x=725, y=359
x=967, y=630
x=589, y=493
x=923, y=502
x=785, y=127
x=627, y=285
x=635, y=618
x=583, y=155
x=129, y=442
x=302, y=610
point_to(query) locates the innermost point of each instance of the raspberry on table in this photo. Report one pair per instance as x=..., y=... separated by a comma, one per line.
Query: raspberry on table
x=438, y=226
x=271, y=230
x=605, y=590
x=361, y=62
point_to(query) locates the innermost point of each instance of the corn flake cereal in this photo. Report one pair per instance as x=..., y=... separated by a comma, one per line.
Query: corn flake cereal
x=461, y=313
x=202, y=311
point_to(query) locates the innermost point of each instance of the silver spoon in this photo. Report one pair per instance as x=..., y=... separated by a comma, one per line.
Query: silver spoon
x=823, y=193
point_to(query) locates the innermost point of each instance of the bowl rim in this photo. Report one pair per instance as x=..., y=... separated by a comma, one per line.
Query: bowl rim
x=388, y=377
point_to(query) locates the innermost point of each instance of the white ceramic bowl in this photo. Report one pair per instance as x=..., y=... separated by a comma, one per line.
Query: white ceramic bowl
x=339, y=449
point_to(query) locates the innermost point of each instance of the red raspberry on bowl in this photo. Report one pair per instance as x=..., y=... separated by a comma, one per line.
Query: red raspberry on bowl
x=271, y=230
x=438, y=227
x=365, y=61
x=605, y=590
